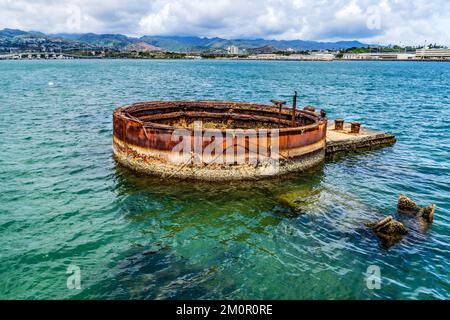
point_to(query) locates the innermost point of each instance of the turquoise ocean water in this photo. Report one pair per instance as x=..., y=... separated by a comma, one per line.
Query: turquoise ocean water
x=64, y=201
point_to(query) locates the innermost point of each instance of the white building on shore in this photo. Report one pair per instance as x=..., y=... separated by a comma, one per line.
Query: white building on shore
x=433, y=54
x=233, y=49
x=314, y=56
x=379, y=56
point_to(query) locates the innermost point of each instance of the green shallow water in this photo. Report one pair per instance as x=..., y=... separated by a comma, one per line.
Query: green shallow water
x=64, y=201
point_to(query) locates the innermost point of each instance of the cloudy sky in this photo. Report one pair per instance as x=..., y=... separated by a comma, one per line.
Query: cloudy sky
x=374, y=21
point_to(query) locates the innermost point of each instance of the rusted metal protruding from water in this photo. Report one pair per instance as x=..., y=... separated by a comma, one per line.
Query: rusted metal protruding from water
x=408, y=206
x=146, y=135
x=339, y=124
x=389, y=230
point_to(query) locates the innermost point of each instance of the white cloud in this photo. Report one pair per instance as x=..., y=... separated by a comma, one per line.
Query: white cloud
x=383, y=21
x=349, y=11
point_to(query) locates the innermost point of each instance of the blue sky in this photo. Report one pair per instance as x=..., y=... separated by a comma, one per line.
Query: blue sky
x=384, y=21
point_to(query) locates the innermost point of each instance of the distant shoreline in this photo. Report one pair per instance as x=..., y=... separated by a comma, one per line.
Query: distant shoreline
x=228, y=59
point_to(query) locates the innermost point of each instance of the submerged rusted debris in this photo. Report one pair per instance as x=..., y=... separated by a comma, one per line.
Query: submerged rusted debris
x=388, y=229
x=427, y=213
x=150, y=252
x=408, y=206
x=299, y=200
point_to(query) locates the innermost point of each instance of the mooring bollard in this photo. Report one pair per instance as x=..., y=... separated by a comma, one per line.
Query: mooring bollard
x=339, y=124
x=356, y=127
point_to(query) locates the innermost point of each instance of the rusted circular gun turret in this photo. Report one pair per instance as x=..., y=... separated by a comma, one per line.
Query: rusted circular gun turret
x=217, y=140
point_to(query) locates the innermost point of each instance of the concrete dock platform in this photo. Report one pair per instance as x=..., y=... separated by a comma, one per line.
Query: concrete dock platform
x=343, y=141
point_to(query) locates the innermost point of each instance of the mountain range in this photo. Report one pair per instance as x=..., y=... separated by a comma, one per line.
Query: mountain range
x=35, y=40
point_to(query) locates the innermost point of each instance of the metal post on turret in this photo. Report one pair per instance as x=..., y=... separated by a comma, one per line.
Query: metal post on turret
x=279, y=104
x=294, y=107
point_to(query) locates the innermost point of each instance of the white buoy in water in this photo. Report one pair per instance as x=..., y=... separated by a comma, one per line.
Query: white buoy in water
x=50, y=83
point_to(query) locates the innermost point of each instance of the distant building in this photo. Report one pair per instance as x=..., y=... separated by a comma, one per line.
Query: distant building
x=433, y=54
x=406, y=56
x=356, y=56
x=379, y=56
x=266, y=56
x=314, y=56
x=233, y=49
x=310, y=57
